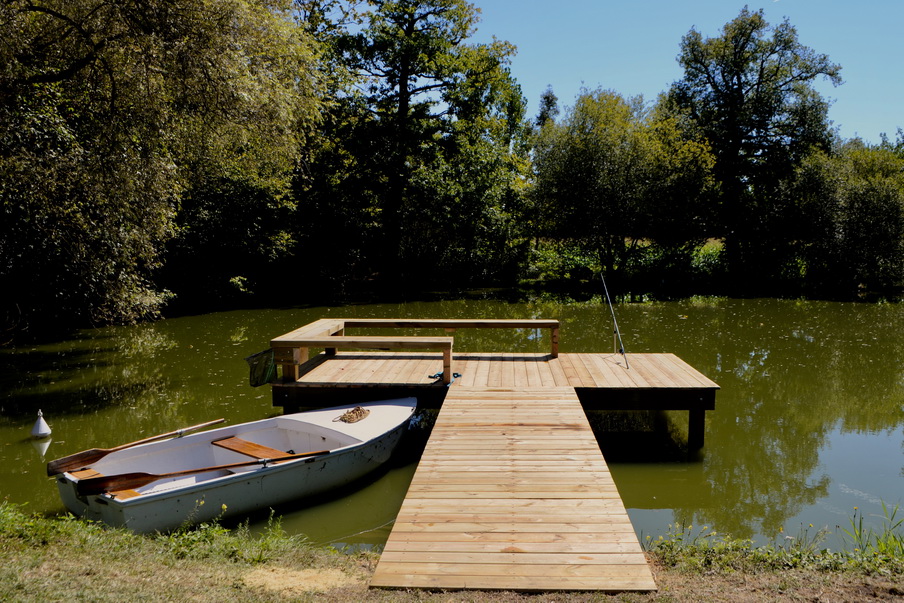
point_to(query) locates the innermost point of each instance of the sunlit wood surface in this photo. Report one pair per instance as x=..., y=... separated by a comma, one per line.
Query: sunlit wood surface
x=513, y=492
x=369, y=369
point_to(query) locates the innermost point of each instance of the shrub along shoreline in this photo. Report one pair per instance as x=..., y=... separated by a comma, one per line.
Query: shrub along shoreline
x=63, y=558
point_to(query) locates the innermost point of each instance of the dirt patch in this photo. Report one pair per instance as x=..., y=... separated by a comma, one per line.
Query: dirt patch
x=779, y=586
x=298, y=582
x=792, y=586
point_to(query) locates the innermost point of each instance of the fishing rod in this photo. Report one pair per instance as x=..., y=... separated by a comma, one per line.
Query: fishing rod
x=616, y=334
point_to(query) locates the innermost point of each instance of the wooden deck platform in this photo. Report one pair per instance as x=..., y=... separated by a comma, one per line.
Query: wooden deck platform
x=513, y=493
x=653, y=382
x=416, y=369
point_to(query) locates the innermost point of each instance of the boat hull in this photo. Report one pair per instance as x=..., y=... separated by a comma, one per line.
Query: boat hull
x=195, y=499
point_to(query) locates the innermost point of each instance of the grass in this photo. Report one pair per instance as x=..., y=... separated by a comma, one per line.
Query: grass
x=62, y=558
x=866, y=550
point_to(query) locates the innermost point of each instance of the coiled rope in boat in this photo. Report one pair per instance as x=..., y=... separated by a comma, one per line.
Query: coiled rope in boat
x=352, y=416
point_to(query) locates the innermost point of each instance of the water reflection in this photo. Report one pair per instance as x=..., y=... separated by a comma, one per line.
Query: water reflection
x=807, y=423
x=791, y=374
x=41, y=446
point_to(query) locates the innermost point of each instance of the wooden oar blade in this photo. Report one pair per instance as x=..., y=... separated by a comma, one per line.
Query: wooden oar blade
x=79, y=460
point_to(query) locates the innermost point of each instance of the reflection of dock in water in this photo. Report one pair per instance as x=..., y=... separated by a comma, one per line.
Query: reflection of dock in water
x=512, y=491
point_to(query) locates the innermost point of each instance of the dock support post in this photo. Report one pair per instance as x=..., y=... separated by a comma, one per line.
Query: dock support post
x=695, y=427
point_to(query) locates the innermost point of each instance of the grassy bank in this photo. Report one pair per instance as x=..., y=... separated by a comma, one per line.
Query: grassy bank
x=55, y=559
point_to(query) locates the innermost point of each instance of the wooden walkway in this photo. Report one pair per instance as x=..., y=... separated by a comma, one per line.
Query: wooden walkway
x=513, y=493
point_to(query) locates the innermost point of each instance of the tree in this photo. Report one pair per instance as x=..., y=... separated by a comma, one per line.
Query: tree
x=233, y=232
x=425, y=109
x=109, y=112
x=678, y=196
x=549, y=107
x=587, y=168
x=612, y=178
x=853, y=221
x=749, y=93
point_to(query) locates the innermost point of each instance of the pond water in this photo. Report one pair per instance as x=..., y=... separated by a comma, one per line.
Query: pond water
x=808, y=426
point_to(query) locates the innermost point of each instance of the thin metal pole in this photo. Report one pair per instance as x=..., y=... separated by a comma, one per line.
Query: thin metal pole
x=620, y=347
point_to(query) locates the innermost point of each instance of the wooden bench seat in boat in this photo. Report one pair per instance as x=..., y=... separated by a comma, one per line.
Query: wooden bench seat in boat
x=258, y=451
x=120, y=494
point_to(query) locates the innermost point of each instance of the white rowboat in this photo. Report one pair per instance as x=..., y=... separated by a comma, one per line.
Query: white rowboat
x=161, y=485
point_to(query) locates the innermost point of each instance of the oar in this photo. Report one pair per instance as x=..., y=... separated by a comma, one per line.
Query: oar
x=128, y=481
x=85, y=458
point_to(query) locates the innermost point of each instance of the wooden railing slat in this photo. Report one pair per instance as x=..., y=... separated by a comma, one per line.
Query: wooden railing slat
x=292, y=349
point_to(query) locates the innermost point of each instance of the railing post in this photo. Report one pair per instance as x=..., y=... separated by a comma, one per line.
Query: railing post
x=447, y=365
x=290, y=372
x=554, y=336
x=338, y=333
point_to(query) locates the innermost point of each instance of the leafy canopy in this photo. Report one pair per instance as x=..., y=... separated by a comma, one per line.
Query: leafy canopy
x=109, y=112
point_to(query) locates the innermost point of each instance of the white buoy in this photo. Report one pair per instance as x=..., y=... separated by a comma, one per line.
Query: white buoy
x=41, y=428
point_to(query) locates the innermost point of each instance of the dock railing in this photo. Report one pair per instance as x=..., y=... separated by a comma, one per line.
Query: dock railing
x=293, y=349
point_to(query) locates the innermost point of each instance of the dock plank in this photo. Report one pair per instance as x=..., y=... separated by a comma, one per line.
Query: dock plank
x=580, y=376
x=509, y=487
x=532, y=368
x=647, y=372
x=693, y=377
x=482, y=376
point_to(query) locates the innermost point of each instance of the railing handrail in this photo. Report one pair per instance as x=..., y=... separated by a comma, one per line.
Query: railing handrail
x=293, y=347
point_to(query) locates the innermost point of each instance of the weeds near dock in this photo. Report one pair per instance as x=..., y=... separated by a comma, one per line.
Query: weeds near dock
x=869, y=551
x=63, y=558
x=211, y=540
x=887, y=542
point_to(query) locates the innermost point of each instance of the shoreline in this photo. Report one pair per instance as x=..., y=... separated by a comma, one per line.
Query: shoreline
x=66, y=558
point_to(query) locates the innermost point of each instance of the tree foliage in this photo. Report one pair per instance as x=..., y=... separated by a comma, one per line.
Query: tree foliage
x=210, y=147
x=613, y=178
x=239, y=159
x=109, y=112
x=419, y=165
x=749, y=93
x=853, y=215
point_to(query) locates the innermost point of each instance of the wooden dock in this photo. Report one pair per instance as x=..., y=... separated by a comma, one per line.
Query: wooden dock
x=512, y=491
x=654, y=381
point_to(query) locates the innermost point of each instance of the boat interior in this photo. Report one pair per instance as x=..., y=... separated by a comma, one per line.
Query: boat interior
x=271, y=439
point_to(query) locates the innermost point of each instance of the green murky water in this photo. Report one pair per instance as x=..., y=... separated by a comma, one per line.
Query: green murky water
x=809, y=422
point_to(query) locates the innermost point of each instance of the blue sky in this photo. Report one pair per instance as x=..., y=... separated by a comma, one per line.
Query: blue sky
x=630, y=46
